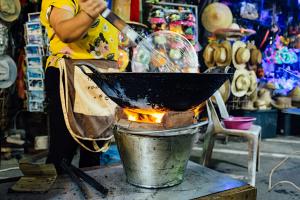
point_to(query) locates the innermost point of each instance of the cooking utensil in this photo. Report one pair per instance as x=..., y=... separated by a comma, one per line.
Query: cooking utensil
x=164, y=91
x=241, y=123
x=182, y=56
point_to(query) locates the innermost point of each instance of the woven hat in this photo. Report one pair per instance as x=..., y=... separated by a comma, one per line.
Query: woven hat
x=216, y=16
x=222, y=54
x=10, y=10
x=224, y=91
x=240, y=54
x=241, y=83
x=255, y=57
x=233, y=32
x=263, y=100
x=253, y=82
x=295, y=94
x=208, y=54
x=8, y=71
x=282, y=102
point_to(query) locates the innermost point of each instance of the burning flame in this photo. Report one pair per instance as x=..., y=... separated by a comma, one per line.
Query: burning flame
x=152, y=115
x=146, y=116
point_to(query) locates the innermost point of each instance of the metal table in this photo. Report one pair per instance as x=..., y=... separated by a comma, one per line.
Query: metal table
x=199, y=183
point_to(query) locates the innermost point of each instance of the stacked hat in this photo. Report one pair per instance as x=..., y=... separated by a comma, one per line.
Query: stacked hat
x=255, y=57
x=264, y=99
x=240, y=54
x=222, y=54
x=244, y=83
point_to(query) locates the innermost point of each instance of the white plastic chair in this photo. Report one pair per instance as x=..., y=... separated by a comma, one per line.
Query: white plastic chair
x=215, y=127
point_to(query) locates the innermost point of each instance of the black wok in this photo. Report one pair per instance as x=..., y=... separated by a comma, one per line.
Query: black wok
x=171, y=91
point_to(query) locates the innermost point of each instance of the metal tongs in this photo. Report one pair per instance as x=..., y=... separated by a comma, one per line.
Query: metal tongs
x=78, y=176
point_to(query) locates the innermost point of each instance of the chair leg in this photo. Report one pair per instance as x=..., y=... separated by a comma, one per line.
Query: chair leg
x=252, y=160
x=208, y=145
x=258, y=154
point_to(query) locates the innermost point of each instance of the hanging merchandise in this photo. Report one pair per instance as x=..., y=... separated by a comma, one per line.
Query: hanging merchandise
x=255, y=57
x=240, y=83
x=233, y=32
x=35, y=75
x=157, y=19
x=208, y=54
x=222, y=54
x=249, y=11
x=8, y=71
x=10, y=10
x=3, y=38
x=216, y=16
x=240, y=54
x=178, y=18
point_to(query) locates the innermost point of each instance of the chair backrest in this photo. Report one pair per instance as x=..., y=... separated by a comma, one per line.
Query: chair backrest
x=221, y=105
x=213, y=119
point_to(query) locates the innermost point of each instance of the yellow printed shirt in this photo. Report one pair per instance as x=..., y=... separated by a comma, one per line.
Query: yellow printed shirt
x=100, y=42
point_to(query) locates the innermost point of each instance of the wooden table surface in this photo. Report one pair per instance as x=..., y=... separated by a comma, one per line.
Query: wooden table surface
x=199, y=182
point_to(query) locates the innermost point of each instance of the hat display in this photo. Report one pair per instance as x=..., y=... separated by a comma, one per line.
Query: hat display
x=222, y=54
x=233, y=32
x=216, y=16
x=10, y=10
x=255, y=57
x=282, y=102
x=295, y=94
x=240, y=54
x=208, y=54
x=264, y=99
x=8, y=71
x=241, y=83
x=253, y=82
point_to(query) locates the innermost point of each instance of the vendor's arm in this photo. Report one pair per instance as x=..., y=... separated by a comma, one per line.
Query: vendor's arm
x=70, y=28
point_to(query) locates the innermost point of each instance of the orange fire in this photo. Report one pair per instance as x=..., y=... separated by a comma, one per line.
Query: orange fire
x=146, y=116
x=152, y=115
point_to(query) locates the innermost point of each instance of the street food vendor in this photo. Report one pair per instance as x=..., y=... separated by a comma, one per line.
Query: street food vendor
x=77, y=31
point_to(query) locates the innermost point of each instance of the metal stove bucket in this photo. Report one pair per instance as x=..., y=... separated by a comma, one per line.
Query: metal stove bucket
x=155, y=159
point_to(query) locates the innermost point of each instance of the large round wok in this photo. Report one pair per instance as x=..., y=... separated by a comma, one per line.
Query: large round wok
x=168, y=91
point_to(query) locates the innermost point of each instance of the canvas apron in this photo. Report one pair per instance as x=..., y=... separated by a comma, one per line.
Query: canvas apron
x=88, y=112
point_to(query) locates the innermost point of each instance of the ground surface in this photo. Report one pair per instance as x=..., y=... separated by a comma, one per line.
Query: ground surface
x=231, y=158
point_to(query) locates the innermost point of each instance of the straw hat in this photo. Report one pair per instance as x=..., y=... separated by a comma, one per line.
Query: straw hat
x=263, y=100
x=282, y=102
x=255, y=57
x=8, y=71
x=253, y=82
x=233, y=32
x=216, y=16
x=224, y=91
x=295, y=94
x=240, y=54
x=208, y=54
x=222, y=54
x=241, y=83
x=10, y=10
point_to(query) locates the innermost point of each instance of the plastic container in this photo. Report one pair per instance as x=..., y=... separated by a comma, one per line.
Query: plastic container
x=241, y=123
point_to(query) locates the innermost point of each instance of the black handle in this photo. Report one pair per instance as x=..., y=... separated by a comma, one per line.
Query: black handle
x=91, y=181
x=75, y=179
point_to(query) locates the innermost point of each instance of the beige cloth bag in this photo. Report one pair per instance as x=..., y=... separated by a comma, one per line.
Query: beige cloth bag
x=88, y=112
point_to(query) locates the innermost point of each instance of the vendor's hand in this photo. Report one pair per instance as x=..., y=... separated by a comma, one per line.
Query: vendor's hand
x=92, y=7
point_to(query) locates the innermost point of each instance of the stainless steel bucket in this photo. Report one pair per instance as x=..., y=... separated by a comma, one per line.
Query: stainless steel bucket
x=155, y=159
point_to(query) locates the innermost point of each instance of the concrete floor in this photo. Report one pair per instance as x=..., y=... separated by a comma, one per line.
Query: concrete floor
x=231, y=158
